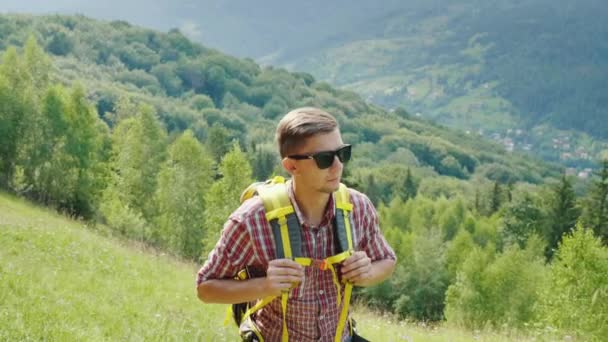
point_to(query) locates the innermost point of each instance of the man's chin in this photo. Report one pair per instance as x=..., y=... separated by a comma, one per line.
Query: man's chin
x=331, y=186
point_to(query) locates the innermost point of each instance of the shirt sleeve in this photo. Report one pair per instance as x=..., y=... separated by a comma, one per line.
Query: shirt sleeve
x=230, y=254
x=372, y=240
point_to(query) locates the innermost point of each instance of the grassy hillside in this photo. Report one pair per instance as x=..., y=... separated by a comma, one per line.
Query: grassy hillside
x=61, y=280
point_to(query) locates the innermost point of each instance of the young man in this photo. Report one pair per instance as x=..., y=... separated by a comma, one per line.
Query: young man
x=312, y=314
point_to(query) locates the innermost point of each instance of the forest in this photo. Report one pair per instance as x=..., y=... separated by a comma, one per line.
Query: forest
x=156, y=136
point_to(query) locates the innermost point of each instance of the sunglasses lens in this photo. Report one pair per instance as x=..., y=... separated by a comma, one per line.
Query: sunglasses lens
x=344, y=154
x=324, y=159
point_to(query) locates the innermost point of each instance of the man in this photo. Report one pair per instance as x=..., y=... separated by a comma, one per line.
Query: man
x=305, y=136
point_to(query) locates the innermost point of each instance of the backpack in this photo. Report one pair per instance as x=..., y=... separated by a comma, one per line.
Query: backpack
x=285, y=227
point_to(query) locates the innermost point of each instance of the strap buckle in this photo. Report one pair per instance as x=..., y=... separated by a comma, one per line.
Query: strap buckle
x=320, y=264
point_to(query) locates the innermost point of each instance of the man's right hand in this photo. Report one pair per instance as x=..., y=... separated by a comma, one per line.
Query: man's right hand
x=281, y=275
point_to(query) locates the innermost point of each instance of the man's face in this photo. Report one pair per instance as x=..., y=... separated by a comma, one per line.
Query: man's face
x=307, y=171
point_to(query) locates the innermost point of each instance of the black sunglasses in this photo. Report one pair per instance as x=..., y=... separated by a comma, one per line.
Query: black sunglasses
x=326, y=158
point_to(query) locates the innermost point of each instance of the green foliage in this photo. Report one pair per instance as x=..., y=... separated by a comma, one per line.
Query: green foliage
x=595, y=205
x=149, y=85
x=500, y=290
x=184, y=179
x=576, y=297
x=138, y=150
x=218, y=141
x=457, y=252
x=421, y=278
x=523, y=217
x=223, y=197
x=56, y=141
x=409, y=186
x=562, y=215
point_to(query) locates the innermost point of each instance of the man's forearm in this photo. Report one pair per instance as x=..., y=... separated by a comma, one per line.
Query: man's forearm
x=381, y=270
x=230, y=291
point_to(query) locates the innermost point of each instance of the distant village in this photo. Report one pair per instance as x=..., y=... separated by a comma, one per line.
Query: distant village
x=563, y=146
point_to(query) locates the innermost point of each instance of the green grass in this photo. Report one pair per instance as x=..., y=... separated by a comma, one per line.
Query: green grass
x=61, y=280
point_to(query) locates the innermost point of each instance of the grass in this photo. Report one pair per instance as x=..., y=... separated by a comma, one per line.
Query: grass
x=62, y=280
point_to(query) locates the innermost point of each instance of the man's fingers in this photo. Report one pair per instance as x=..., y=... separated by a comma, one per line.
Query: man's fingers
x=355, y=273
x=361, y=261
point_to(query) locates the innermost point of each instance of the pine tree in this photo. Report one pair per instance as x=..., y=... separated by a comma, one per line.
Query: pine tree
x=595, y=206
x=563, y=214
x=409, y=186
x=496, y=199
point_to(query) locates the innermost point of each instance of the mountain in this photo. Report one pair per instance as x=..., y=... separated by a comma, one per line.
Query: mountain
x=527, y=74
x=192, y=86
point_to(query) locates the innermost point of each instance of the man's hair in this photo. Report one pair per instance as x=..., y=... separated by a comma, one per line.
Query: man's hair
x=302, y=123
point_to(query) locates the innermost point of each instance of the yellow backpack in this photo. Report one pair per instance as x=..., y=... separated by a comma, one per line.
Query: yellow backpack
x=283, y=220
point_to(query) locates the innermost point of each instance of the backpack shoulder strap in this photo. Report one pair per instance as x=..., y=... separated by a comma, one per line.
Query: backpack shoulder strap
x=283, y=220
x=343, y=229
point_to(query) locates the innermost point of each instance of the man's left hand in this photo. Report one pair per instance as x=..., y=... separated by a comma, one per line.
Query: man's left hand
x=357, y=268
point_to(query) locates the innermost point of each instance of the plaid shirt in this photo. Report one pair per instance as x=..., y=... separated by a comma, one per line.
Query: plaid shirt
x=312, y=311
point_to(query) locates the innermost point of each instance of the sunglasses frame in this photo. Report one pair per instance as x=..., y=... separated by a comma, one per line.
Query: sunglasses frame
x=320, y=162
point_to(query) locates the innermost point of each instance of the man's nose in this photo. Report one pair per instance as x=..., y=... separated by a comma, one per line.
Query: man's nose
x=336, y=162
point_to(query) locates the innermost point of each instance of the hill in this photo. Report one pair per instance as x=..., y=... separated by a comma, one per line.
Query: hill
x=528, y=75
x=155, y=136
x=66, y=280
x=191, y=86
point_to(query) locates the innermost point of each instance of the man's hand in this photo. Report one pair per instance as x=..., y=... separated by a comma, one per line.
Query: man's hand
x=357, y=268
x=281, y=275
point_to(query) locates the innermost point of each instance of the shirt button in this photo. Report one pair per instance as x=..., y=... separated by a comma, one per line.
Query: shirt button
x=321, y=292
x=321, y=317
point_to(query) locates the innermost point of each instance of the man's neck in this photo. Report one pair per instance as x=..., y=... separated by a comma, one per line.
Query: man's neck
x=311, y=203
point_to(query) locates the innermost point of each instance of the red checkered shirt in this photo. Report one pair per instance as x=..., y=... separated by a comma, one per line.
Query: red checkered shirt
x=312, y=311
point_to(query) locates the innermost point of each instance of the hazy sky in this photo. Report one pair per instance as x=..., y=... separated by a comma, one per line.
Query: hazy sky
x=239, y=27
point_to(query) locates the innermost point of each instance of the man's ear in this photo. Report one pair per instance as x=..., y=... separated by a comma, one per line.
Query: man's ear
x=289, y=165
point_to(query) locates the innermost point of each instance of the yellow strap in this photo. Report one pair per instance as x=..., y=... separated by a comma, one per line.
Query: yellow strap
x=338, y=258
x=284, y=296
x=334, y=277
x=303, y=261
x=344, y=314
x=228, y=315
x=254, y=327
x=278, y=213
x=262, y=303
x=285, y=236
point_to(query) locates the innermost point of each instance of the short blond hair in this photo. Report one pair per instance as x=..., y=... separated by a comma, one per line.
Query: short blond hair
x=302, y=123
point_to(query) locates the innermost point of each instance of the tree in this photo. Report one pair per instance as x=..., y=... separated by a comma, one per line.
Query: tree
x=496, y=198
x=562, y=215
x=575, y=299
x=497, y=289
x=218, y=141
x=85, y=147
x=138, y=148
x=223, y=197
x=522, y=218
x=422, y=279
x=183, y=181
x=595, y=205
x=264, y=161
x=409, y=186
